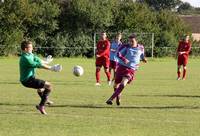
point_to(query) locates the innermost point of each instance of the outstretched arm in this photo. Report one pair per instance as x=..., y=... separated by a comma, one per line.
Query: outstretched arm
x=47, y=60
x=143, y=58
x=55, y=68
x=37, y=63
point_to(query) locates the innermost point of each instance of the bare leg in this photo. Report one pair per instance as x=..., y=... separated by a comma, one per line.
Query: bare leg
x=98, y=75
x=184, y=72
x=179, y=72
x=106, y=70
x=40, y=92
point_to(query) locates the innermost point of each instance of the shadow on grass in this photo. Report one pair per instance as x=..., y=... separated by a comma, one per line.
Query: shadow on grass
x=4, y=82
x=16, y=104
x=75, y=83
x=104, y=106
x=124, y=107
x=93, y=106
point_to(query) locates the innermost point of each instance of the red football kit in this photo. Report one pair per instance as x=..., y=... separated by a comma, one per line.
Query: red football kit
x=183, y=47
x=103, y=50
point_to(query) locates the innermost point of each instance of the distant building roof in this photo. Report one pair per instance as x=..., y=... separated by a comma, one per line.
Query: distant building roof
x=193, y=21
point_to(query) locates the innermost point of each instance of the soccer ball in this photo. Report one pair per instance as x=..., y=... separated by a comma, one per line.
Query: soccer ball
x=77, y=71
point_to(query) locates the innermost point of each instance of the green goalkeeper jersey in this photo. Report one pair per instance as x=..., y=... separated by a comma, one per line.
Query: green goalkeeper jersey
x=27, y=64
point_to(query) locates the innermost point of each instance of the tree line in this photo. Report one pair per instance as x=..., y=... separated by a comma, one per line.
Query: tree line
x=66, y=27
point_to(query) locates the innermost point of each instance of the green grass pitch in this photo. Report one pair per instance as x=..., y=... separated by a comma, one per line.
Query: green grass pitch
x=155, y=104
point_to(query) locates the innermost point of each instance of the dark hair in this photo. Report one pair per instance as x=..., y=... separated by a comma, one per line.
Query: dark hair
x=132, y=36
x=119, y=33
x=103, y=32
x=25, y=44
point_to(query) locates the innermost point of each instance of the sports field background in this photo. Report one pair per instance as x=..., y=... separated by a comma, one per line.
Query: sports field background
x=155, y=104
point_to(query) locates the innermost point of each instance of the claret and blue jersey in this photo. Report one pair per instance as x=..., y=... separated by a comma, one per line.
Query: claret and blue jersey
x=132, y=54
x=113, y=49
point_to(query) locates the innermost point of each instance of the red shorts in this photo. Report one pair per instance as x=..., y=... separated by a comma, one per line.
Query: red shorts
x=182, y=60
x=102, y=61
x=113, y=64
x=123, y=71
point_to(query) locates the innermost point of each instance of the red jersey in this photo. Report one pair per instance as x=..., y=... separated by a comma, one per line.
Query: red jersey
x=184, y=47
x=103, y=48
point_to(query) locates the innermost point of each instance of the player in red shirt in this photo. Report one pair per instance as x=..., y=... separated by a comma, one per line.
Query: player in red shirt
x=103, y=57
x=183, y=50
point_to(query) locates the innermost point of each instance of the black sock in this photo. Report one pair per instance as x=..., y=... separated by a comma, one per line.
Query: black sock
x=44, y=97
x=40, y=93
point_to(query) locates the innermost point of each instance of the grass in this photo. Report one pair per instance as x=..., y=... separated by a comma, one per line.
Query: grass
x=155, y=104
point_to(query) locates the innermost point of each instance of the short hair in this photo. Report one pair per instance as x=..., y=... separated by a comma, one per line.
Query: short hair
x=132, y=36
x=24, y=44
x=119, y=33
x=184, y=36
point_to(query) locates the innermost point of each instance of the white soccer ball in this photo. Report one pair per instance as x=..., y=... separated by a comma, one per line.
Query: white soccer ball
x=78, y=71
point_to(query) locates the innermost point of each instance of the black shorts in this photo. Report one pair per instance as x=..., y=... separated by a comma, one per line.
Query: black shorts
x=32, y=82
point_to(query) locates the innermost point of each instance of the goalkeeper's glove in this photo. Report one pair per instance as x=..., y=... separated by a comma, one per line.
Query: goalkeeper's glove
x=56, y=68
x=48, y=59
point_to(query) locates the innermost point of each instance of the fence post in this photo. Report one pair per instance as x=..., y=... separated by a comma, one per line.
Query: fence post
x=94, y=41
x=152, y=46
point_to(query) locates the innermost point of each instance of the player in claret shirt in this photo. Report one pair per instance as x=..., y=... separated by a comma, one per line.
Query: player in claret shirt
x=129, y=58
x=113, y=49
x=103, y=58
x=183, y=50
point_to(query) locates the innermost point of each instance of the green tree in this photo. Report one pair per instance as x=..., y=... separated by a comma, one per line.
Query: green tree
x=135, y=17
x=71, y=23
x=87, y=16
x=162, y=4
x=185, y=6
x=171, y=27
x=27, y=19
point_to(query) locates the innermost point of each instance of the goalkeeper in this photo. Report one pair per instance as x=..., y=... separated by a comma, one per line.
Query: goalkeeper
x=27, y=65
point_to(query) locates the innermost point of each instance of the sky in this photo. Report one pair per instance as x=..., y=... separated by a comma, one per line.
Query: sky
x=194, y=3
